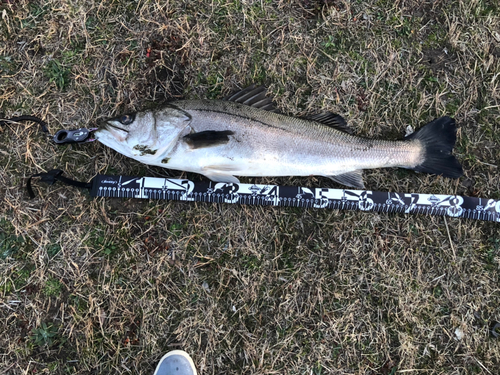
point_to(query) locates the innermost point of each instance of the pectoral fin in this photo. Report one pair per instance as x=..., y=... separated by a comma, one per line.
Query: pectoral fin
x=353, y=179
x=207, y=138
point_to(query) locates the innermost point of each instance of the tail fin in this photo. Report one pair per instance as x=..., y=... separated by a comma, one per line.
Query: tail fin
x=438, y=138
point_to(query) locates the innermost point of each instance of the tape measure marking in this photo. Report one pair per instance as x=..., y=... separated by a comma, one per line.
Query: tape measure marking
x=275, y=195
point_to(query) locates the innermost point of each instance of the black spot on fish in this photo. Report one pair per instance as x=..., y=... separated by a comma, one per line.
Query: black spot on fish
x=368, y=146
x=145, y=150
x=365, y=148
x=208, y=138
x=165, y=161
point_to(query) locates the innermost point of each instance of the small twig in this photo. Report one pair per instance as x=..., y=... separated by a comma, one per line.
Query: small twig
x=439, y=277
x=449, y=237
x=491, y=165
x=480, y=364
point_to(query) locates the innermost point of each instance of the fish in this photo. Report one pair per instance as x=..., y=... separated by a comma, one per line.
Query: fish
x=244, y=135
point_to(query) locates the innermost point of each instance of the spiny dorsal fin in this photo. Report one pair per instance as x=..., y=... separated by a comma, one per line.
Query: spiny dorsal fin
x=253, y=97
x=207, y=138
x=332, y=120
x=353, y=179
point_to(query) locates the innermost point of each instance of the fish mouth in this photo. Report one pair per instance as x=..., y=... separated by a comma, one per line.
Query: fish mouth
x=110, y=125
x=109, y=132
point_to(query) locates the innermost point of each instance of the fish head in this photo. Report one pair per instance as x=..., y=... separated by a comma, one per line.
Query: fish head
x=144, y=134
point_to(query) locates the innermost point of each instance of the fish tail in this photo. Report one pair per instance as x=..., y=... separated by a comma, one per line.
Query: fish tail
x=438, y=138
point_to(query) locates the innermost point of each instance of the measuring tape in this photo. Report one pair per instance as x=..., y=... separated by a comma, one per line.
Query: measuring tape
x=289, y=196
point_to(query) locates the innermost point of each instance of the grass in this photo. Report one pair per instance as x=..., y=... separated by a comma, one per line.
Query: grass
x=108, y=286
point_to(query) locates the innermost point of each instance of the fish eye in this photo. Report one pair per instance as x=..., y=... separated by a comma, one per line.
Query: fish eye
x=126, y=119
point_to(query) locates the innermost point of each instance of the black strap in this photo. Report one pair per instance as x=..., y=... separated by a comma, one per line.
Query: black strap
x=42, y=123
x=51, y=177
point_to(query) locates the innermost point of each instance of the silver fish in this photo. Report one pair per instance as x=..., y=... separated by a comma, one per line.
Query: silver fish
x=244, y=136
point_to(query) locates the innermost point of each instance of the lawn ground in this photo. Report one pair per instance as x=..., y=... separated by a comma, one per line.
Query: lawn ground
x=106, y=286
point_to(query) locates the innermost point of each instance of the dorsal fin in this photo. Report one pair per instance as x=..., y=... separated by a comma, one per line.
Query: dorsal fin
x=332, y=120
x=253, y=97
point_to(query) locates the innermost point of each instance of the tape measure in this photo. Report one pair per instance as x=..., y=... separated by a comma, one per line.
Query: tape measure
x=289, y=196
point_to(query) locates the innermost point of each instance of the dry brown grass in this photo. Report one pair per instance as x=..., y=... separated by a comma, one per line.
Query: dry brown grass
x=246, y=289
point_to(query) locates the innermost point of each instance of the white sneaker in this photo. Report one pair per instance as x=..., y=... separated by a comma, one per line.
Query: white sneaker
x=176, y=362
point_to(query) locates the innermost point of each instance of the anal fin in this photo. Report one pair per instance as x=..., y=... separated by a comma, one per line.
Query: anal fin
x=352, y=179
